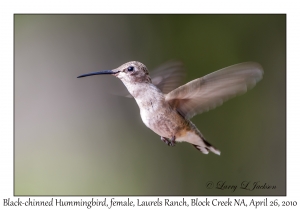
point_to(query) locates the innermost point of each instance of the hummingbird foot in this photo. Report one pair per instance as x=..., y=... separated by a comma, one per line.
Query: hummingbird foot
x=170, y=142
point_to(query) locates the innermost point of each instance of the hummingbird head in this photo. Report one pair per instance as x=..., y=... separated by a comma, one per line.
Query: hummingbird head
x=130, y=72
x=133, y=72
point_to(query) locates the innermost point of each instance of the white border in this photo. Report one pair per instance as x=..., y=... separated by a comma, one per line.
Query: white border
x=8, y=8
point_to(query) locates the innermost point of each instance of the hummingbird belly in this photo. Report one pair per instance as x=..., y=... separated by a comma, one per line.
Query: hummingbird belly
x=170, y=124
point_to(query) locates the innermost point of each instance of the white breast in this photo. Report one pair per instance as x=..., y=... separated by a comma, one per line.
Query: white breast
x=146, y=116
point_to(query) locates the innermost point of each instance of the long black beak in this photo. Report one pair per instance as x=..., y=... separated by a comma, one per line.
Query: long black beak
x=98, y=72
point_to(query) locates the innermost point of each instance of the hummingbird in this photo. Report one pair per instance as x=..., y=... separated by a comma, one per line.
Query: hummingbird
x=167, y=110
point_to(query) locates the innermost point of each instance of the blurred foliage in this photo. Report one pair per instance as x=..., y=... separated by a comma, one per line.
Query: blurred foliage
x=73, y=137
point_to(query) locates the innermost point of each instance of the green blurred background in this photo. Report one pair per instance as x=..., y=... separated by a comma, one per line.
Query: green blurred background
x=73, y=137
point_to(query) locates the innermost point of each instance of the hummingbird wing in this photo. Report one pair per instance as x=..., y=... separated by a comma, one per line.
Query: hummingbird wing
x=212, y=90
x=168, y=76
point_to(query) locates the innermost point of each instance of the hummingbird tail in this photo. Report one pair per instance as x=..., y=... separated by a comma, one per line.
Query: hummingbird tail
x=205, y=149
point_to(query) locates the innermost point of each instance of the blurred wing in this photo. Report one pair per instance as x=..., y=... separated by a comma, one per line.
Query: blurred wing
x=168, y=76
x=212, y=90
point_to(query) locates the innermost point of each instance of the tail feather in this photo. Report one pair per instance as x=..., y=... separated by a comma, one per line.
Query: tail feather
x=195, y=137
x=206, y=148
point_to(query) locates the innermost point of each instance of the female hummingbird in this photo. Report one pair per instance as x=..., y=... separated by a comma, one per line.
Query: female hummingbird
x=167, y=111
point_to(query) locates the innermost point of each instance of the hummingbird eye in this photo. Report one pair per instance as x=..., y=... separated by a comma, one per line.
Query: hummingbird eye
x=130, y=68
